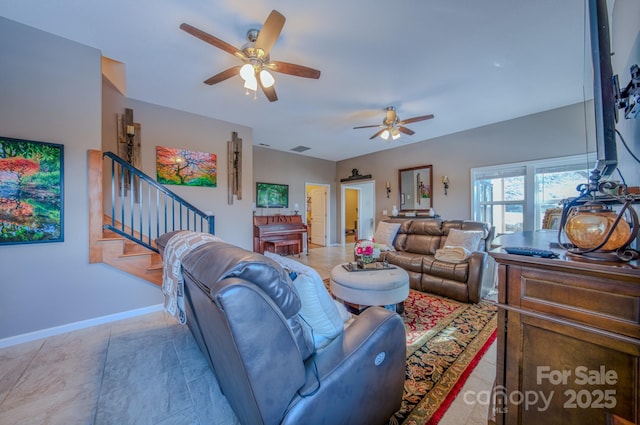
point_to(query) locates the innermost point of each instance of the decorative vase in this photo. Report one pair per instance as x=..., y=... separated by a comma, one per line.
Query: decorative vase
x=394, y=211
x=365, y=252
x=589, y=224
x=366, y=259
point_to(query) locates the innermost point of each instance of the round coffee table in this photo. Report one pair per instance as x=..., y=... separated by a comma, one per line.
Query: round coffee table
x=387, y=287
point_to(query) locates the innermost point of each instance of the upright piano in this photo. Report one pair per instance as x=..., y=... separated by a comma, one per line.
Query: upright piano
x=272, y=228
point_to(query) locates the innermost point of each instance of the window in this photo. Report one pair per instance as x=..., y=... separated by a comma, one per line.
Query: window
x=514, y=197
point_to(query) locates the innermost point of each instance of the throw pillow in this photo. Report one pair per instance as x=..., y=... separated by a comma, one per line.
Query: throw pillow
x=318, y=309
x=469, y=239
x=386, y=233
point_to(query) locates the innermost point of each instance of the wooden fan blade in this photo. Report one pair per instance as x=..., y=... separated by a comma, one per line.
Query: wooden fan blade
x=293, y=69
x=270, y=31
x=270, y=92
x=415, y=119
x=405, y=130
x=377, y=134
x=215, y=41
x=370, y=126
x=224, y=75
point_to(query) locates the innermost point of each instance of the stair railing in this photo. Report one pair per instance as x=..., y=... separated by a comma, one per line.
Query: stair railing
x=142, y=209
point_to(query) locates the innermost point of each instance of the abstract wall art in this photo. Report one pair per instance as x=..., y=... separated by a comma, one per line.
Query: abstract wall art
x=186, y=168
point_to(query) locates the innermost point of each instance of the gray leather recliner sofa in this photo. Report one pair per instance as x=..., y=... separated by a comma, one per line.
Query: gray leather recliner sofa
x=242, y=310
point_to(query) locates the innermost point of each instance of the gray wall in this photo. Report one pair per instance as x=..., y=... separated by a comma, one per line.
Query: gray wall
x=549, y=134
x=564, y=131
x=271, y=166
x=51, y=91
x=172, y=128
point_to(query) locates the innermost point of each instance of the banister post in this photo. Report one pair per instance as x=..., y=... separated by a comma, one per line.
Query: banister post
x=96, y=208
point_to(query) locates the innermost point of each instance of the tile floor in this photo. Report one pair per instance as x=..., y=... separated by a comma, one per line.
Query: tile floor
x=148, y=370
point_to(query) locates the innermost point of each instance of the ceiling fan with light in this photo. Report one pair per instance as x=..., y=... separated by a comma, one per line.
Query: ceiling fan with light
x=255, y=55
x=392, y=125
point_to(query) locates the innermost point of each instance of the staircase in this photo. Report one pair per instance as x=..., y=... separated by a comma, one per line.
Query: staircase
x=148, y=208
x=130, y=257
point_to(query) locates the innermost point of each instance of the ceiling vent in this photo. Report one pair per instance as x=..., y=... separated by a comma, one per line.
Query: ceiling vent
x=300, y=148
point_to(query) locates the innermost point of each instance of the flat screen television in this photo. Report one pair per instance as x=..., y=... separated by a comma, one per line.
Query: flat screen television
x=604, y=97
x=272, y=195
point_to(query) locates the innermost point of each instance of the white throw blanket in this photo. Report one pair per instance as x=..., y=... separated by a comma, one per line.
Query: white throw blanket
x=172, y=281
x=453, y=254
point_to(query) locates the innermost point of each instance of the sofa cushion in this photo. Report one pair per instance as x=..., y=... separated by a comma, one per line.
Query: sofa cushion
x=409, y=261
x=385, y=235
x=450, y=271
x=233, y=261
x=468, y=239
x=430, y=227
x=422, y=244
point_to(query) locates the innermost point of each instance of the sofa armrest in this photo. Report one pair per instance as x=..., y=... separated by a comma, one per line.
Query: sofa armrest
x=371, y=350
x=478, y=275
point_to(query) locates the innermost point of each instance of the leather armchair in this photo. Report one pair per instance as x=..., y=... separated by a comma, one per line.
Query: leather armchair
x=242, y=310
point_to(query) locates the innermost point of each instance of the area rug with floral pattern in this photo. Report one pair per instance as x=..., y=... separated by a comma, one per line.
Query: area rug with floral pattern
x=445, y=341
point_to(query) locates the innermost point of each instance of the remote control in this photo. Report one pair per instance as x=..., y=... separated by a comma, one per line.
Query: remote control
x=532, y=252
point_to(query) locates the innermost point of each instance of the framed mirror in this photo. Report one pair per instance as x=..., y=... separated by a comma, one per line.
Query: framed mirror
x=416, y=188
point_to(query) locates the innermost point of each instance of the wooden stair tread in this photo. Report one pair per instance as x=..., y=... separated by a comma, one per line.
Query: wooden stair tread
x=113, y=238
x=130, y=257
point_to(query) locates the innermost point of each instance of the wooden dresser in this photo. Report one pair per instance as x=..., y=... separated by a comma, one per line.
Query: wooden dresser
x=568, y=338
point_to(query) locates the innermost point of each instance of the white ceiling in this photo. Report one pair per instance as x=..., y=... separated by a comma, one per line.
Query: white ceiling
x=468, y=62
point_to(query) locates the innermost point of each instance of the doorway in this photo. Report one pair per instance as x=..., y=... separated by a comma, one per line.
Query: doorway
x=317, y=217
x=365, y=209
x=351, y=209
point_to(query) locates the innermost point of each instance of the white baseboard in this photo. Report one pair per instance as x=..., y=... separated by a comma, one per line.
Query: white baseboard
x=57, y=330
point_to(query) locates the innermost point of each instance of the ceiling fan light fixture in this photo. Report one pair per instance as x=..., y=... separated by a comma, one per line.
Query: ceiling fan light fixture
x=385, y=134
x=395, y=134
x=247, y=72
x=266, y=78
x=251, y=84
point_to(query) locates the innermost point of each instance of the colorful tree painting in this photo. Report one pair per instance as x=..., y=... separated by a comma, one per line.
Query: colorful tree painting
x=31, y=190
x=186, y=168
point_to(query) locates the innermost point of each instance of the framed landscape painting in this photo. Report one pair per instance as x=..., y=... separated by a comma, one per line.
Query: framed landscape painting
x=31, y=191
x=186, y=168
x=272, y=195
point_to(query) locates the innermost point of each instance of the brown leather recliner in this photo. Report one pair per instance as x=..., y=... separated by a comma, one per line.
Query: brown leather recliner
x=242, y=310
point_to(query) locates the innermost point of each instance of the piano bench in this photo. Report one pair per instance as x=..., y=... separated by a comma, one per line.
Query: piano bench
x=273, y=246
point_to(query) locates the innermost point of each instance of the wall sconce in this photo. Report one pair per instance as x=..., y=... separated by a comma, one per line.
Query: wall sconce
x=445, y=182
x=388, y=189
x=131, y=134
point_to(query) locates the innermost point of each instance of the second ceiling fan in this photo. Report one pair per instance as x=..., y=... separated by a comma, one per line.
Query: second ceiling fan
x=392, y=125
x=255, y=55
